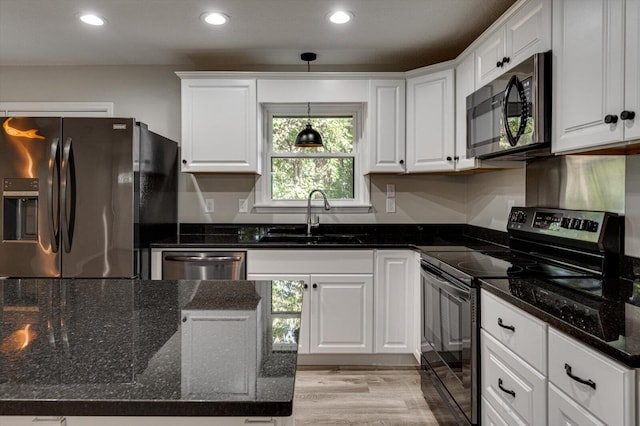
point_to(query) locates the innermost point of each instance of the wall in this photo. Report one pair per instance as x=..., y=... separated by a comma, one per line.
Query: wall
x=151, y=94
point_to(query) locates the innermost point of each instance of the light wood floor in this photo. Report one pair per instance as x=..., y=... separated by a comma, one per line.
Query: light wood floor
x=365, y=396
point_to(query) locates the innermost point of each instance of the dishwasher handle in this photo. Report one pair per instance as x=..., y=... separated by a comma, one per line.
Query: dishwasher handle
x=203, y=258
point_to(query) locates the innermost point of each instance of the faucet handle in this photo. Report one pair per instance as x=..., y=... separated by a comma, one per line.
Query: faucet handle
x=315, y=221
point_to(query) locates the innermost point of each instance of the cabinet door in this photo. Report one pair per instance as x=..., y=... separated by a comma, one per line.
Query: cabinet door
x=490, y=416
x=632, y=71
x=219, y=123
x=284, y=327
x=341, y=313
x=528, y=31
x=430, y=122
x=396, y=290
x=465, y=85
x=387, y=126
x=565, y=411
x=489, y=57
x=588, y=70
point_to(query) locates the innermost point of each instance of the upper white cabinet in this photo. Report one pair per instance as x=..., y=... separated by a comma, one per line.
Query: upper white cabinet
x=465, y=85
x=219, y=125
x=430, y=122
x=596, y=66
x=525, y=32
x=386, y=126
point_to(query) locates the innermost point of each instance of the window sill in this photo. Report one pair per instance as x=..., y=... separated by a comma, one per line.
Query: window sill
x=350, y=209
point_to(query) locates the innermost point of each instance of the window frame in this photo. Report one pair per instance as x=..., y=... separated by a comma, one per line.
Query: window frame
x=265, y=202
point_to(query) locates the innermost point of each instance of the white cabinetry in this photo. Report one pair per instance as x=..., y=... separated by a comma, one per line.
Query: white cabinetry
x=526, y=31
x=598, y=384
x=596, y=65
x=337, y=312
x=386, y=126
x=397, y=296
x=430, y=121
x=219, y=125
x=465, y=85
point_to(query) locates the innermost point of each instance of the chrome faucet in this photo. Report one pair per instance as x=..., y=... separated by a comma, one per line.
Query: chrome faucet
x=327, y=207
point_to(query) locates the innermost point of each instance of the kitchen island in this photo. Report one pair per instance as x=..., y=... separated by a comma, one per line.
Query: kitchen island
x=91, y=347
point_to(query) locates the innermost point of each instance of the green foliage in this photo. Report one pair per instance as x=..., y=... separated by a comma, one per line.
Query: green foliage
x=300, y=170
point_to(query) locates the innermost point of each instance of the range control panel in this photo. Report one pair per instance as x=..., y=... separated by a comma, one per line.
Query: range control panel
x=572, y=224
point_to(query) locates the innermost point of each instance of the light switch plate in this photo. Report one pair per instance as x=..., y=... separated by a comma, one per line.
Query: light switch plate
x=391, y=190
x=209, y=205
x=391, y=205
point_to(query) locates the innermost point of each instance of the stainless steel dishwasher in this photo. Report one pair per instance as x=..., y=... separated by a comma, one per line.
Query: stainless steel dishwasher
x=204, y=265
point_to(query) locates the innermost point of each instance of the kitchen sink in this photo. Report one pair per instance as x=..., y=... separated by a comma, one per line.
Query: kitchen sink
x=310, y=239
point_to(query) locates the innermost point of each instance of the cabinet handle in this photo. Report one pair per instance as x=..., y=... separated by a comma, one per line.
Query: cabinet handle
x=509, y=391
x=306, y=286
x=610, y=118
x=589, y=383
x=506, y=60
x=315, y=285
x=508, y=327
x=456, y=158
x=627, y=115
x=449, y=158
x=401, y=161
x=499, y=64
x=184, y=161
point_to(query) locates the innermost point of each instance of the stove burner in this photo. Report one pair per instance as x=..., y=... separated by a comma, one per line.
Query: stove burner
x=483, y=270
x=513, y=258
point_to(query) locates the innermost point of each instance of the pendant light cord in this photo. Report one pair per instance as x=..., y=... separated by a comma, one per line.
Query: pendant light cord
x=309, y=103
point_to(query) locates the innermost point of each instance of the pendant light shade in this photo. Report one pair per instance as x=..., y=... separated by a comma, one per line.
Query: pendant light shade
x=308, y=137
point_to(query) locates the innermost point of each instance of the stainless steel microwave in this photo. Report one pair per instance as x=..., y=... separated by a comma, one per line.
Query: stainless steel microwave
x=510, y=118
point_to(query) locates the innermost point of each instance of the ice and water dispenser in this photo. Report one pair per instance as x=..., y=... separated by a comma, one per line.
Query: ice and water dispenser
x=20, y=209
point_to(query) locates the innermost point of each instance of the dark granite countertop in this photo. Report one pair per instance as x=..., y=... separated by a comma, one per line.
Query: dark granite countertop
x=617, y=333
x=130, y=348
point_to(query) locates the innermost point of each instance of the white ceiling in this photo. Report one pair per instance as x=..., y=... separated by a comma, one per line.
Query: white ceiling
x=385, y=35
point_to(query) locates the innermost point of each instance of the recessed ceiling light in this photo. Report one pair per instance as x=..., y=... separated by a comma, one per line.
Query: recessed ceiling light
x=215, y=18
x=91, y=19
x=340, y=17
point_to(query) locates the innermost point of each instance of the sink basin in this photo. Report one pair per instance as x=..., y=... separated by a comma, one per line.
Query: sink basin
x=310, y=239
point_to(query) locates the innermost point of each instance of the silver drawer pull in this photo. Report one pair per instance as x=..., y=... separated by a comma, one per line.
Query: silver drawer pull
x=508, y=391
x=590, y=383
x=508, y=327
x=203, y=258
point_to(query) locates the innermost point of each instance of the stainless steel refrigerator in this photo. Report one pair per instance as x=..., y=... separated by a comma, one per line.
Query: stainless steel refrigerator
x=84, y=197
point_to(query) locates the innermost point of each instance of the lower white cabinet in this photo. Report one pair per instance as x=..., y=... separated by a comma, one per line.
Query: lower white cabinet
x=490, y=416
x=600, y=385
x=143, y=421
x=337, y=306
x=512, y=387
x=565, y=411
x=397, y=301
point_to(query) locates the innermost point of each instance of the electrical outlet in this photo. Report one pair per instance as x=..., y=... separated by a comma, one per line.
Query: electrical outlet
x=391, y=190
x=391, y=205
x=209, y=205
x=243, y=205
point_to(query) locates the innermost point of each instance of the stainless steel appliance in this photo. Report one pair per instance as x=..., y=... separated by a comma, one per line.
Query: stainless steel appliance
x=83, y=197
x=510, y=118
x=569, y=248
x=203, y=265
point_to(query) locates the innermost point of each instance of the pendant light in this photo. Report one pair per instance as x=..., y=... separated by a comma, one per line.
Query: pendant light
x=308, y=137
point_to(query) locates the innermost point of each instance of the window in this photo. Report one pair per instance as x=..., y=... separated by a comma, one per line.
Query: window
x=291, y=173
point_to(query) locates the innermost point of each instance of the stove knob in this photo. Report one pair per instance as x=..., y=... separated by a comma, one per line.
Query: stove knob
x=593, y=226
x=585, y=224
x=566, y=221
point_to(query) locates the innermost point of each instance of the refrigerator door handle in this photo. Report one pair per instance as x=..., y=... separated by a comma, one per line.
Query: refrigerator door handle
x=68, y=192
x=54, y=165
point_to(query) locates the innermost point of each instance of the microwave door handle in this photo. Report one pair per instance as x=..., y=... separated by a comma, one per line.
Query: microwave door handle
x=54, y=165
x=515, y=82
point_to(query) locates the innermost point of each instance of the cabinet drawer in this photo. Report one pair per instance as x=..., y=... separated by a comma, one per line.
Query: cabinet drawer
x=516, y=329
x=565, y=411
x=310, y=262
x=512, y=387
x=610, y=394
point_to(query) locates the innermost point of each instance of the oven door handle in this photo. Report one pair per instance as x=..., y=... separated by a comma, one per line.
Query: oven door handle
x=439, y=281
